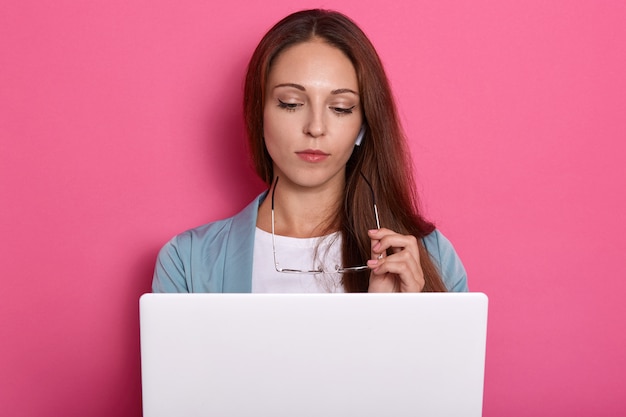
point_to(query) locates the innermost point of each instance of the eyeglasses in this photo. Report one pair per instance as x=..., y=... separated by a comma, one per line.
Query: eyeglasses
x=320, y=270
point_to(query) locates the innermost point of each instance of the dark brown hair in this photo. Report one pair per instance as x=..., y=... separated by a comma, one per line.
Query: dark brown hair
x=383, y=157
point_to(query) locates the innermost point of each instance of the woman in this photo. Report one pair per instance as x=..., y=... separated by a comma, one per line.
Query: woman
x=341, y=211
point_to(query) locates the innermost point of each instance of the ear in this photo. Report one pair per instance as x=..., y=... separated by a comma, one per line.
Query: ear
x=360, y=136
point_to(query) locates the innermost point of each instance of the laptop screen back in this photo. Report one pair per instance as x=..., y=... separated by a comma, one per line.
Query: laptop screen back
x=313, y=354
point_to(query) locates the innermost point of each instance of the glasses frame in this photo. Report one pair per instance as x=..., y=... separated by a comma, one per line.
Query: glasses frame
x=338, y=269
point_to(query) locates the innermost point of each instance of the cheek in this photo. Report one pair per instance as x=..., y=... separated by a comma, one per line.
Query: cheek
x=273, y=132
x=272, y=124
x=351, y=137
x=280, y=127
x=347, y=153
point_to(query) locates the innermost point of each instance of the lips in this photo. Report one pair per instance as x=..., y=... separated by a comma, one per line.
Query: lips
x=312, y=155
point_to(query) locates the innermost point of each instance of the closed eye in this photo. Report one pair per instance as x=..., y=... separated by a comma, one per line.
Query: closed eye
x=287, y=106
x=343, y=110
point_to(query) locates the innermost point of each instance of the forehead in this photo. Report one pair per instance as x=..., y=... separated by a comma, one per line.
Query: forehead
x=313, y=63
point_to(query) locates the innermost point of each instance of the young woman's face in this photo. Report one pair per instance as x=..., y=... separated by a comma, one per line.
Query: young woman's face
x=312, y=114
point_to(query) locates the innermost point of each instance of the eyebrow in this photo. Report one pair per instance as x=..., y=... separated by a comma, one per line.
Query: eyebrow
x=301, y=88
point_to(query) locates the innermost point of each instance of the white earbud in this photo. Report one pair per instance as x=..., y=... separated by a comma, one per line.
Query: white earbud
x=360, y=136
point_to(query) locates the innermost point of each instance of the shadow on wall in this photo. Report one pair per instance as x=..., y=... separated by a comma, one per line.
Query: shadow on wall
x=229, y=165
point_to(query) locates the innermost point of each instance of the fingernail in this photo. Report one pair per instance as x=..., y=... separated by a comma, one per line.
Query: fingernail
x=372, y=262
x=372, y=231
x=376, y=247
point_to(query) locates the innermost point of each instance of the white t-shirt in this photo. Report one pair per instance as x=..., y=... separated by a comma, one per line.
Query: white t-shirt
x=296, y=253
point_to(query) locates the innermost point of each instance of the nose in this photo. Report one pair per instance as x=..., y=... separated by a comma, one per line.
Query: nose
x=315, y=125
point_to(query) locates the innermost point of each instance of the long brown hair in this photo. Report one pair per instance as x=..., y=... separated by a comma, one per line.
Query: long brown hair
x=382, y=157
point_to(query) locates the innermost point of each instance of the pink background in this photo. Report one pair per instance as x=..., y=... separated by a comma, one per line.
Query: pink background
x=120, y=125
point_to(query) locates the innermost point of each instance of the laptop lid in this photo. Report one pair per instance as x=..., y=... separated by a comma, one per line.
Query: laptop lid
x=313, y=354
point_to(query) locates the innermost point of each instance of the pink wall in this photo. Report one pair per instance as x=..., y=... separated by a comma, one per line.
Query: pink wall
x=120, y=125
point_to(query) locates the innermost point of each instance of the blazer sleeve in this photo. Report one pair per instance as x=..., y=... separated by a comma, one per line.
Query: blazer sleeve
x=445, y=257
x=169, y=272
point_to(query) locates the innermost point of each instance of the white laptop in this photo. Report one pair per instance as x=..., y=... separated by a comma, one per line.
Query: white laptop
x=317, y=355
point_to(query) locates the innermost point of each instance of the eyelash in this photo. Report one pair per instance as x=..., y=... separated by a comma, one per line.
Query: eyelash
x=287, y=106
x=292, y=107
x=342, y=111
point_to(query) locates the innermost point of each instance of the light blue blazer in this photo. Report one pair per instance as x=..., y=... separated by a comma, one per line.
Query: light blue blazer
x=217, y=257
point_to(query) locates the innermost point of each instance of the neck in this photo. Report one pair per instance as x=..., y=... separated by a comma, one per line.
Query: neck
x=301, y=211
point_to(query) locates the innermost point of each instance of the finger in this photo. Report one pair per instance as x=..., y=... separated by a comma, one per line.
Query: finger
x=400, y=263
x=404, y=281
x=384, y=283
x=404, y=267
x=388, y=239
x=376, y=253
